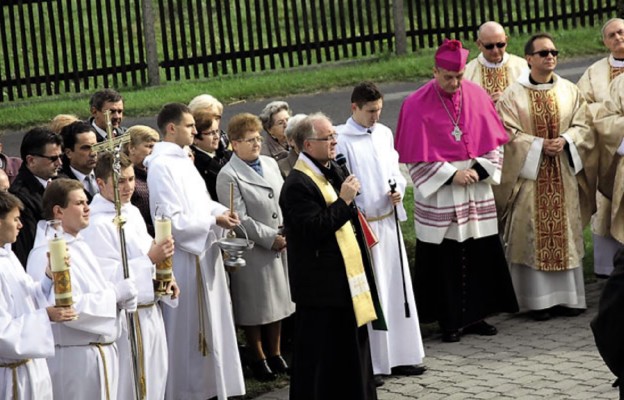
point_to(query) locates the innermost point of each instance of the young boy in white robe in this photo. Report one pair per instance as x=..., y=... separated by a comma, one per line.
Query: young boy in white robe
x=143, y=253
x=25, y=328
x=86, y=364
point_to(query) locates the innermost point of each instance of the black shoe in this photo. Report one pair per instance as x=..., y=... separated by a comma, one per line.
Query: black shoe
x=261, y=371
x=278, y=365
x=450, y=336
x=540, y=315
x=567, y=311
x=378, y=380
x=481, y=328
x=408, y=370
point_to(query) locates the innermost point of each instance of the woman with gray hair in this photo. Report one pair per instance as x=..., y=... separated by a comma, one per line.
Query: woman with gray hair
x=274, y=119
x=286, y=164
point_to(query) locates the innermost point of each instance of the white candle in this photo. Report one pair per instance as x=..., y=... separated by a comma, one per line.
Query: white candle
x=58, y=253
x=162, y=228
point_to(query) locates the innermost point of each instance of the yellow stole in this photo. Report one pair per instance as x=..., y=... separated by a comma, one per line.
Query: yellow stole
x=350, y=251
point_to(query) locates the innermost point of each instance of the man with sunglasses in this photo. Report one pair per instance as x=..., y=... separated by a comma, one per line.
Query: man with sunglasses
x=594, y=85
x=41, y=160
x=494, y=69
x=546, y=190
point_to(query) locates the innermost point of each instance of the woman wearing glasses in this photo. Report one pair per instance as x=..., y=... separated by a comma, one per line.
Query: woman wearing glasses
x=260, y=290
x=210, y=154
x=274, y=119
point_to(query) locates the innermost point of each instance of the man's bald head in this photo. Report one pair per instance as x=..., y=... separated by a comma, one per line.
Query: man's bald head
x=4, y=181
x=489, y=28
x=492, y=41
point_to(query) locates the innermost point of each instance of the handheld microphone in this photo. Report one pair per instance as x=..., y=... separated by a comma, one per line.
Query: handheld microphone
x=341, y=160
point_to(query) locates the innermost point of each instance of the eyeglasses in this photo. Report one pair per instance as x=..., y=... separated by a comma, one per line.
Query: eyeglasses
x=257, y=139
x=330, y=138
x=51, y=158
x=545, y=53
x=499, y=45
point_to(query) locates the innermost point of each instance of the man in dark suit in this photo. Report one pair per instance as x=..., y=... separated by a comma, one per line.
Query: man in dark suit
x=608, y=325
x=100, y=102
x=327, y=272
x=79, y=159
x=41, y=159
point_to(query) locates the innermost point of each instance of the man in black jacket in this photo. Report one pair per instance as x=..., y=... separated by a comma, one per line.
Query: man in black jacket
x=41, y=159
x=608, y=325
x=328, y=272
x=79, y=159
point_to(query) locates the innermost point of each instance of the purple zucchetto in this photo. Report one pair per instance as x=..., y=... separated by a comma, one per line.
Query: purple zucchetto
x=451, y=56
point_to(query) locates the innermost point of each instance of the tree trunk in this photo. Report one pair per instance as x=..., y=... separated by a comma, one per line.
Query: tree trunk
x=400, y=38
x=153, y=73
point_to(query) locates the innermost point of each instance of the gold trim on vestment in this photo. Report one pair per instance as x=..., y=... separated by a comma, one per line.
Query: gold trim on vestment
x=350, y=251
x=614, y=72
x=494, y=79
x=14, y=366
x=551, y=228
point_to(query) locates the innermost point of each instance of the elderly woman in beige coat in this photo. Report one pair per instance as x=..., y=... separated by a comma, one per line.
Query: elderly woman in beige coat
x=260, y=290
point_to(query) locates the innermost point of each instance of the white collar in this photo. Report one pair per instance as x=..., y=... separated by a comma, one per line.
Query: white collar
x=615, y=63
x=488, y=64
x=99, y=130
x=524, y=80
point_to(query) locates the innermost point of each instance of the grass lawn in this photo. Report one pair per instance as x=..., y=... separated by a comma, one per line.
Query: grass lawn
x=384, y=67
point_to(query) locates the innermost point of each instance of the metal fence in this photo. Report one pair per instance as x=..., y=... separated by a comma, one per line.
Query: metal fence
x=50, y=47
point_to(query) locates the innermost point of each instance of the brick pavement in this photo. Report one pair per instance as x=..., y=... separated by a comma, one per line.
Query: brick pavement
x=555, y=359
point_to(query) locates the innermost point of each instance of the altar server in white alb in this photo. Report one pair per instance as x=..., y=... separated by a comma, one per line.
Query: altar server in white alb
x=25, y=315
x=369, y=149
x=86, y=364
x=203, y=353
x=143, y=253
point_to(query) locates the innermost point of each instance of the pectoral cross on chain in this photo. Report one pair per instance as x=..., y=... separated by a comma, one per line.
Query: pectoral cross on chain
x=457, y=133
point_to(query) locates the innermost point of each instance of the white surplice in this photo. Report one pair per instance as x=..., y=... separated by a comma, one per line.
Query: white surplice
x=103, y=237
x=373, y=160
x=205, y=306
x=78, y=368
x=25, y=331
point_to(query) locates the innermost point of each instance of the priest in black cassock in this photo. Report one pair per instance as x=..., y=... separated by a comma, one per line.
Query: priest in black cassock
x=330, y=273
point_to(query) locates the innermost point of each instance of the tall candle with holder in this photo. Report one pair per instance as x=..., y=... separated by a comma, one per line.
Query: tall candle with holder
x=164, y=269
x=59, y=264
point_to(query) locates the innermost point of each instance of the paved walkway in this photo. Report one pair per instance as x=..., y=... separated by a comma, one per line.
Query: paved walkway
x=555, y=359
